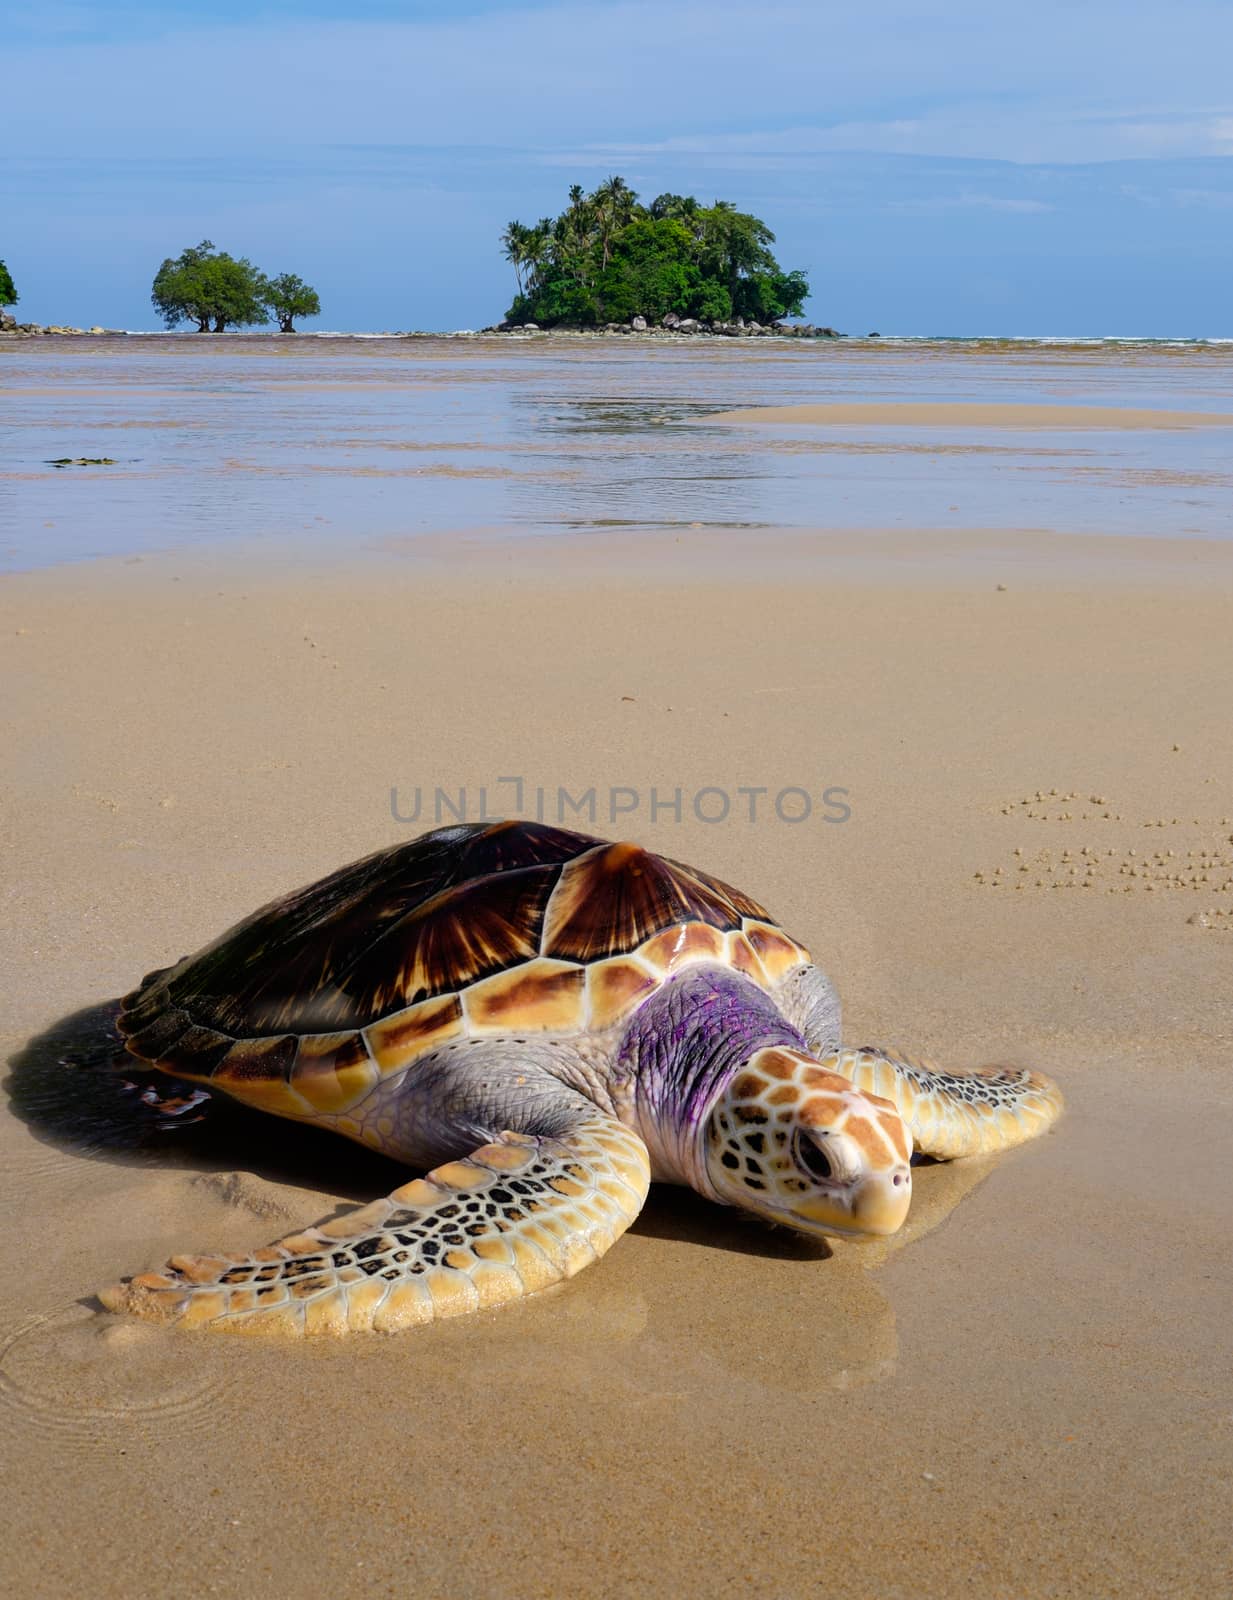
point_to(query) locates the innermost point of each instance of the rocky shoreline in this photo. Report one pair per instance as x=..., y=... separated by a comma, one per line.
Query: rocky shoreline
x=673, y=326
x=11, y=328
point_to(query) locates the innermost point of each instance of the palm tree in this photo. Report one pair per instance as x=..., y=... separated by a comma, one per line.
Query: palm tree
x=574, y=234
x=515, y=240
x=538, y=251
x=614, y=203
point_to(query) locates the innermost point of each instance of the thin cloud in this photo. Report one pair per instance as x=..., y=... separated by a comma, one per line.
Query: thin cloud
x=968, y=202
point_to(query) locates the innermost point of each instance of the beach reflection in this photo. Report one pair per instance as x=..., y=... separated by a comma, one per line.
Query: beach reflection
x=340, y=442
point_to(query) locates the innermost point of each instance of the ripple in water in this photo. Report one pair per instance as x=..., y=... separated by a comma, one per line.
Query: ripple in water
x=75, y=1375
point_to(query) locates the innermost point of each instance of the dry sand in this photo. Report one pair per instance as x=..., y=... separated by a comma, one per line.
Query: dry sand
x=985, y=414
x=1030, y=1395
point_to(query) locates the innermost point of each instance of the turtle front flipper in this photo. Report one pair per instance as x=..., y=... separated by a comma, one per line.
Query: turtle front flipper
x=953, y=1114
x=512, y=1217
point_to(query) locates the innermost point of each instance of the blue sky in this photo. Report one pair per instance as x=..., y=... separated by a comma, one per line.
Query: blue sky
x=1064, y=167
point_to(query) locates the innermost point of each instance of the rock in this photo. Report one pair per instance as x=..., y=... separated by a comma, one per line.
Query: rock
x=638, y=324
x=752, y=327
x=688, y=325
x=873, y=336
x=97, y=329
x=671, y=320
x=530, y=327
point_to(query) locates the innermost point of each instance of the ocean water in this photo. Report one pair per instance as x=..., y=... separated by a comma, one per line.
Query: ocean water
x=345, y=441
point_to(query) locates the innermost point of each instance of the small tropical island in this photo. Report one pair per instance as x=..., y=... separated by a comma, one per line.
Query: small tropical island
x=608, y=263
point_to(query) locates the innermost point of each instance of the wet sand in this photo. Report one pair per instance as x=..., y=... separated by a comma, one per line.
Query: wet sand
x=1026, y=1394
x=986, y=414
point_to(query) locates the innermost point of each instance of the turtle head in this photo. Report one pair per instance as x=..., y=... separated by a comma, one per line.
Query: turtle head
x=800, y=1145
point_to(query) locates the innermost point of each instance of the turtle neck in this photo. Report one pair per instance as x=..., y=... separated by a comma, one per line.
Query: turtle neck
x=680, y=1049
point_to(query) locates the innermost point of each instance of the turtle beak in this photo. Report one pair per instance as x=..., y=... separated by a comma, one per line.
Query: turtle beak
x=874, y=1207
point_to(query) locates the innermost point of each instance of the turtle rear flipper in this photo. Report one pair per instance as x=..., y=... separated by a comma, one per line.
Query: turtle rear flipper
x=511, y=1218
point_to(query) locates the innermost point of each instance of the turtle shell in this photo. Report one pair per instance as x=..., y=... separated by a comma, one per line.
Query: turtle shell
x=468, y=931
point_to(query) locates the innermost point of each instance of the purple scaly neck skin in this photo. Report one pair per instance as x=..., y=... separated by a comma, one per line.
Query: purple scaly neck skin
x=680, y=1049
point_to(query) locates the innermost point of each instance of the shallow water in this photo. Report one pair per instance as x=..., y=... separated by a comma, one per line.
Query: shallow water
x=343, y=442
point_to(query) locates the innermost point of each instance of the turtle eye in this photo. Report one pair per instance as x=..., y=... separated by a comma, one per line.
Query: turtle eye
x=813, y=1158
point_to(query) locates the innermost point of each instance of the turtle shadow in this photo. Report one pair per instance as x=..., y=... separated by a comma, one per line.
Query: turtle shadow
x=77, y=1089
x=682, y=1215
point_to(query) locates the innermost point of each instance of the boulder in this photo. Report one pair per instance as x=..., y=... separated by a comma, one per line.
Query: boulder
x=530, y=327
x=671, y=320
x=638, y=324
x=688, y=325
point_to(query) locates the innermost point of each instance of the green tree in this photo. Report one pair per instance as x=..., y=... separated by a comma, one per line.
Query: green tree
x=682, y=206
x=212, y=289
x=289, y=297
x=652, y=272
x=573, y=236
x=178, y=293
x=735, y=249
x=527, y=249
x=613, y=203
x=8, y=290
x=514, y=243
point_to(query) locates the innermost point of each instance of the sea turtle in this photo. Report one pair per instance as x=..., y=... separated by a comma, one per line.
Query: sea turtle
x=558, y=1020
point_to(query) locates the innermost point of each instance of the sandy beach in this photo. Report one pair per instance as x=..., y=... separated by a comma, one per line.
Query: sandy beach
x=1026, y=1393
